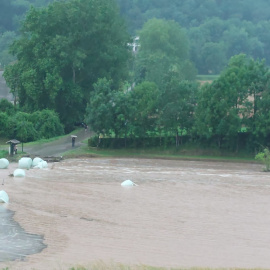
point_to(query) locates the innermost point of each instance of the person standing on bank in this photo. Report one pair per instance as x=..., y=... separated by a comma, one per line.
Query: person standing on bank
x=15, y=149
x=73, y=141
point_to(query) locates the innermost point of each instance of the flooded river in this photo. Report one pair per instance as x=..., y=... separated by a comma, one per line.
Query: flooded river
x=15, y=243
x=181, y=214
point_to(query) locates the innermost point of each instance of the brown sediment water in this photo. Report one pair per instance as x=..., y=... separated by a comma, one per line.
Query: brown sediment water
x=181, y=214
x=15, y=243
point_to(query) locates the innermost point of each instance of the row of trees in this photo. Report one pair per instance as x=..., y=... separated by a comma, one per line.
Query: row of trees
x=191, y=13
x=238, y=101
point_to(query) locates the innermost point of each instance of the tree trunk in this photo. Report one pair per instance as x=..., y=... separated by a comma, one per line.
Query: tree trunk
x=73, y=74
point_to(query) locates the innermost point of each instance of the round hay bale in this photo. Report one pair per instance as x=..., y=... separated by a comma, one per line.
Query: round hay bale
x=36, y=160
x=4, y=163
x=128, y=183
x=19, y=173
x=25, y=163
x=3, y=197
x=44, y=164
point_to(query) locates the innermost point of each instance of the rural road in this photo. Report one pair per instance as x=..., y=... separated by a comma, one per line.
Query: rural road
x=58, y=147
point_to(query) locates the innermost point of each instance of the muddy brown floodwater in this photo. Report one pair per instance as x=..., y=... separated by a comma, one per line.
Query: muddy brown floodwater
x=181, y=214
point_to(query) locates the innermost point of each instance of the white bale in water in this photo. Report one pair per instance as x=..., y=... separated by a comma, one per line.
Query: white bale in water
x=3, y=197
x=44, y=164
x=19, y=173
x=128, y=183
x=36, y=160
x=25, y=163
x=3, y=163
x=41, y=165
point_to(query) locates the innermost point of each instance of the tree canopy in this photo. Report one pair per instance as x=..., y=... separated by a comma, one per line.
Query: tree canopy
x=63, y=49
x=163, y=45
x=217, y=30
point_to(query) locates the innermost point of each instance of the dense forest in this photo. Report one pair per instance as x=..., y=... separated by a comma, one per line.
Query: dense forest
x=72, y=61
x=216, y=29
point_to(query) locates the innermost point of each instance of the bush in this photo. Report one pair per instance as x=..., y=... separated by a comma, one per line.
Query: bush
x=264, y=157
x=47, y=124
x=7, y=107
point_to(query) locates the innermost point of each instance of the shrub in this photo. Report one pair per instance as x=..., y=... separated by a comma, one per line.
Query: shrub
x=264, y=157
x=47, y=124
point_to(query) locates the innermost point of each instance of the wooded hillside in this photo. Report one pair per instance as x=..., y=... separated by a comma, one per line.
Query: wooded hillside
x=217, y=29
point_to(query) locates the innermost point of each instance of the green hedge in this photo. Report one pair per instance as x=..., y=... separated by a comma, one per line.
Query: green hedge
x=117, y=143
x=242, y=142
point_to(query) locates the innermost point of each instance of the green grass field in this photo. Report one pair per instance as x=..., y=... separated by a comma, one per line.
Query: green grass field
x=207, y=77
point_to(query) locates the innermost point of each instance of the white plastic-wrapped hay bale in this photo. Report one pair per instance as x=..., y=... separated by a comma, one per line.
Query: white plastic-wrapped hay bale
x=36, y=160
x=44, y=164
x=3, y=163
x=128, y=183
x=3, y=197
x=41, y=165
x=25, y=163
x=19, y=173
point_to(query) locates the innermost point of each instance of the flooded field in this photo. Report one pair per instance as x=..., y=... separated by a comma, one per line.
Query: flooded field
x=181, y=214
x=15, y=243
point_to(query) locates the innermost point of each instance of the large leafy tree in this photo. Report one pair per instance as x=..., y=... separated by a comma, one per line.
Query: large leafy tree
x=178, y=102
x=163, y=44
x=63, y=50
x=145, y=98
x=99, y=109
x=110, y=112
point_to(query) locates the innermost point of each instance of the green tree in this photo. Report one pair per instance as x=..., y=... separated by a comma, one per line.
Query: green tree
x=47, y=124
x=64, y=48
x=6, y=40
x=163, y=44
x=178, y=101
x=4, y=124
x=7, y=107
x=23, y=127
x=123, y=111
x=99, y=109
x=145, y=98
x=214, y=58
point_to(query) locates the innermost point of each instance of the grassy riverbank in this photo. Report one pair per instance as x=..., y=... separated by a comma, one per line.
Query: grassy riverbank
x=181, y=154
x=186, y=152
